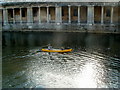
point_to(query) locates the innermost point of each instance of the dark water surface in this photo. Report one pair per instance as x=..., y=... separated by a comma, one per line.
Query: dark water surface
x=94, y=63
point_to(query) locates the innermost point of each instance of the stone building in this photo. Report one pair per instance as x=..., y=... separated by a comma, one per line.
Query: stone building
x=60, y=15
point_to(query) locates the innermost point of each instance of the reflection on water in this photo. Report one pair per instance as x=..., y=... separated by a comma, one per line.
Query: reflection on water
x=94, y=63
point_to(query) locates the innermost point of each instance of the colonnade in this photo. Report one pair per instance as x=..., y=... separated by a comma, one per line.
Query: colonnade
x=58, y=14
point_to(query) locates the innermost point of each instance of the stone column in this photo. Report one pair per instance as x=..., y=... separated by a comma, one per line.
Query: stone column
x=111, y=21
x=102, y=14
x=39, y=16
x=47, y=14
x=78, y=14
x=1, y=19
x=90, y=15
x=58, y=14
x=13, y=16
x=5, y=16
x=29, y=15
x=20, y=16
x=69, y=13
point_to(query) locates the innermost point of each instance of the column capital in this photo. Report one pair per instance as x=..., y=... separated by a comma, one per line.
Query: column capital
x=57, y=6
x=29, y=7
x=112, y=5
x=4, y=8
x=69, y=5
x=90, y=5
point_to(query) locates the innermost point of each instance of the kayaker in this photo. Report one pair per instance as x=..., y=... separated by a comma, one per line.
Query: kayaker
x=62, y=48
x=49, y=47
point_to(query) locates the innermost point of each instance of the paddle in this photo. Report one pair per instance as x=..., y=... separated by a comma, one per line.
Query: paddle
x=40, y=49
x=37, y=51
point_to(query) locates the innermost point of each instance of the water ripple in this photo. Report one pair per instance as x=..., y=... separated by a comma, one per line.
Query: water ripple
x=69, y=70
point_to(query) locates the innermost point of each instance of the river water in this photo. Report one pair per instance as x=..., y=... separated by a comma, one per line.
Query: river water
x=94, y=62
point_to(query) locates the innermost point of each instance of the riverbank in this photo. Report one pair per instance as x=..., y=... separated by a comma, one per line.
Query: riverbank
x=74, y=31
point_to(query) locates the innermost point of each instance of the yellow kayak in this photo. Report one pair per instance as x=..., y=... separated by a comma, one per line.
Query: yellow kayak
x=57, y=50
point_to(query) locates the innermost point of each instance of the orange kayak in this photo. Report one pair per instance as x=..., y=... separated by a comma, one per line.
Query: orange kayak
x=57, y=50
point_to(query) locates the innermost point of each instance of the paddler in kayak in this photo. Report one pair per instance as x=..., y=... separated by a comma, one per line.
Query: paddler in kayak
x=49, y=48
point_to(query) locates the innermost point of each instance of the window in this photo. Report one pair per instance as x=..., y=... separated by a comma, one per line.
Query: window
x=75, y=12
x=34, y=12
x=108, y=13
x=23, y=13
x=10, y=12
x=11, y=15
x=62, y=12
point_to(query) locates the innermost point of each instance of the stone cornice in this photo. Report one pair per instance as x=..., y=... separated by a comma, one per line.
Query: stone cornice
x=23, y=4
